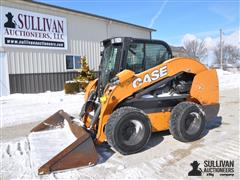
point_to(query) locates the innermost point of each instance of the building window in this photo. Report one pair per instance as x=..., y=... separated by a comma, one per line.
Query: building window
x=73, y=62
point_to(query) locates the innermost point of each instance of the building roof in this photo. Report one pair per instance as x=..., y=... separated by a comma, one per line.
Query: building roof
x=89, y=14
x=179, y=51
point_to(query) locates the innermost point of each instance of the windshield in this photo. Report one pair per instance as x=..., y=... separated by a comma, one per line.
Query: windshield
x=107, y=66
x=109, y=58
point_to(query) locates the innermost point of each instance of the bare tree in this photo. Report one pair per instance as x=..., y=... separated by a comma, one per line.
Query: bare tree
x=195, y=48
x=231, y=54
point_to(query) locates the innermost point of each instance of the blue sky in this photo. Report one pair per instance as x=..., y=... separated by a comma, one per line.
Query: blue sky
x=172, y=19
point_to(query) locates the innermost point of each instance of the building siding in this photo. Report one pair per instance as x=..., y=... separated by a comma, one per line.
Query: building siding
x=38, y=70
x=39, y=82
x=84, y=36
x=22, y=61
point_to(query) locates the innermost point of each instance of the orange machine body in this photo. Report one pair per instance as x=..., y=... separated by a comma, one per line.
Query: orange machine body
x=204, y=90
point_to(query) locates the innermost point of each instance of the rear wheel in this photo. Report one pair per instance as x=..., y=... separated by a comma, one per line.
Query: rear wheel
x=128, y=130
x=187, y=121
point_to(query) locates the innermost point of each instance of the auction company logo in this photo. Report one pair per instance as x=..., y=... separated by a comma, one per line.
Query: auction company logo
x=9, y=23
x=212, y=168
x=29, y=29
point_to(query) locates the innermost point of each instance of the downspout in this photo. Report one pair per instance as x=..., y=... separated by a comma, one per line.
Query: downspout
x=108, y=28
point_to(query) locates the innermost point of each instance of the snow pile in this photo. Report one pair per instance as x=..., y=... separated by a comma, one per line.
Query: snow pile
x=228, y=80
x=45, y=145
x=24, y=108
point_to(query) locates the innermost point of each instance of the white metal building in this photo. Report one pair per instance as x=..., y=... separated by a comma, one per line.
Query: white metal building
x=41, y=44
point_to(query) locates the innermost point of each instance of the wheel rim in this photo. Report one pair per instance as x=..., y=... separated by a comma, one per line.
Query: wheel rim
x=193, y=123
x=132, y=132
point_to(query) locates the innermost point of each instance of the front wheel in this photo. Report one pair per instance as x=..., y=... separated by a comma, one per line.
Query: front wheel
x=128, y=130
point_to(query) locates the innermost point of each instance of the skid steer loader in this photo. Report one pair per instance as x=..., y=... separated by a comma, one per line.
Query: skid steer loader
x=141, y=88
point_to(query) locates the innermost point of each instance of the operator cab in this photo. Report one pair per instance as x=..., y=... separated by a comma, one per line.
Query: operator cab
x=134, y=54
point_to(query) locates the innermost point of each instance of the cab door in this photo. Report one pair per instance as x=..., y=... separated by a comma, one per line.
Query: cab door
x=142, y=55
x=155, y=54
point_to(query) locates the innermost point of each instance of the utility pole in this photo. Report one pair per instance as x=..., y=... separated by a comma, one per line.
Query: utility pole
x=221, y=48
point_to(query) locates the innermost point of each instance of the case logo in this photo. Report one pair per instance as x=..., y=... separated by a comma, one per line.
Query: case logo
x=149, y=77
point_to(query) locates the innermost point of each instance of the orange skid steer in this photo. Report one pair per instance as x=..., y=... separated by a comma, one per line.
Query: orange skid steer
x=141, y=88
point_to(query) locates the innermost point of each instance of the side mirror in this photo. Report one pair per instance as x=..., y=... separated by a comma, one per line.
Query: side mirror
x=101, y=53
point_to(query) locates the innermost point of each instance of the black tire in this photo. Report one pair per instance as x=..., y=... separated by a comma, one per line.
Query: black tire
x=128, y=130
x=187, y=121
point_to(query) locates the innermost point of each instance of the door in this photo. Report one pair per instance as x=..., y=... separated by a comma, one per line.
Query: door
x=4, y=79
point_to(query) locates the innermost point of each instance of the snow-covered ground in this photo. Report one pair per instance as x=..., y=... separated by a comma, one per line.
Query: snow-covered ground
x=228, y=80
x=24, y=108
x=163, y=157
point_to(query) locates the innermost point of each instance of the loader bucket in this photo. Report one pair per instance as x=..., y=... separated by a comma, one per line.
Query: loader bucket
x=81, y=152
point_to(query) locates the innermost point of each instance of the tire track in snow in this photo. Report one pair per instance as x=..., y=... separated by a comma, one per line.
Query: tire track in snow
x=16, y=162
x=8, y=150
x=19, y=148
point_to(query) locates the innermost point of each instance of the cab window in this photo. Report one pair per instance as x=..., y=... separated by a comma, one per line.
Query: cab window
x=155, y=55
x=135, y=57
